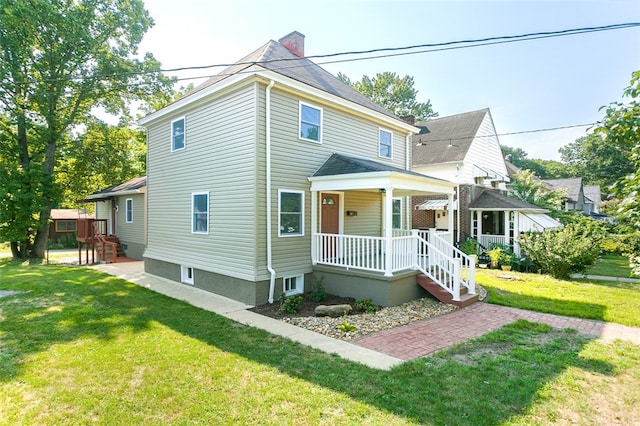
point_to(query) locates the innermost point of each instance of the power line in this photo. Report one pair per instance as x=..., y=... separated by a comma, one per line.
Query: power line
x=548, y=129
x=404, y=50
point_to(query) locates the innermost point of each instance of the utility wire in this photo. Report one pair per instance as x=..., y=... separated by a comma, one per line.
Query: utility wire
x=405, y=50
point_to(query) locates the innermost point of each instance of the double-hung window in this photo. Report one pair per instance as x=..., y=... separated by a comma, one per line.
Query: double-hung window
x=128, y=210
x=200, y=213
x=385, y=145
x=290, y=213
x=310, y=123
x=396, y=213
x=177, y=134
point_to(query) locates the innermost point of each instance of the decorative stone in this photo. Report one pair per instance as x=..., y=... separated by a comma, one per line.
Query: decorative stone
x=332, y=311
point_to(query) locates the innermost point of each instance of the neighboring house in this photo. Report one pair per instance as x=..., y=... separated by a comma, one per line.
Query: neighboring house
x=575, y=199
x=593, y=197
x=464, y=148
x=122, y=208
x=65, y=222
x=273, y=175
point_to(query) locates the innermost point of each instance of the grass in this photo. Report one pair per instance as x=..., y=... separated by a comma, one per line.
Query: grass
x=78, y=346
x=602, y=300
x=612, y=265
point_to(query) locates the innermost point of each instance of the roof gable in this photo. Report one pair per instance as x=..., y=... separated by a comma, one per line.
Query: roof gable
x=338, y=164
x=446, y=139
x=571, y=185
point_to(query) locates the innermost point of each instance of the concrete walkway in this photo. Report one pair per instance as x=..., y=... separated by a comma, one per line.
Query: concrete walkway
x=382, y=350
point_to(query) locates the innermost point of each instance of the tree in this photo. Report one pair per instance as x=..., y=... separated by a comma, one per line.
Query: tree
x=598, y=161
x=59, y=60
x=526, y=186
x=394, y=93
x=544, y=169
x=621, y=127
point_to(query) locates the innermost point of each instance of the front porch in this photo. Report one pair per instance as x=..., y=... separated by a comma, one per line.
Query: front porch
x=360, y=227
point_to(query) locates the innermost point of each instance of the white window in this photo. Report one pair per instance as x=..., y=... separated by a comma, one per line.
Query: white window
x=200, y=213
x=310, y=123
x=396, y=213
x=290, y=213
x=293, y=285
x=177, y=134
x=385, y=146
x=186, y=274
x=128, y=210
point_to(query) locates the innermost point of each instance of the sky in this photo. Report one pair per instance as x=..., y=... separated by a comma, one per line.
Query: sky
x=529, y=85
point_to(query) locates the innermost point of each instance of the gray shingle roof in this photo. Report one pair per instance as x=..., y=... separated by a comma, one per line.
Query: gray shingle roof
x=494, y=200
x=571, y=185
x=277, y=58
x=593, y=193
x=339, y=164
x=446, y=139
x=129, y=186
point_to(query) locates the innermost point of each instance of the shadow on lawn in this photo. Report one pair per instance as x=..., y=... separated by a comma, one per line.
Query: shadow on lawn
x=61, y=305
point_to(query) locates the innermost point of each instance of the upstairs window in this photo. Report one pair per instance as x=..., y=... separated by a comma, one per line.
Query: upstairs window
x=384, y=143
x=200, y=213
x=310, y=123
x=177, y=134
x=128, y=210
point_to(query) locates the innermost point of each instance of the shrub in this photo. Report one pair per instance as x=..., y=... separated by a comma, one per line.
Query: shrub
x=289, y=305
x=319, y=293
x=470, y=246
x=345, y=326
x=561, y=252
x=366, y=306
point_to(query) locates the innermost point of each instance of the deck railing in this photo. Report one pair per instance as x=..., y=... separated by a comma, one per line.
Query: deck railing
x=435, y=257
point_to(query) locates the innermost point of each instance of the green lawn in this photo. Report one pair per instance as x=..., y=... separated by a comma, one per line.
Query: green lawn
x=80, y=347
x=612, y=265
x=602, y=300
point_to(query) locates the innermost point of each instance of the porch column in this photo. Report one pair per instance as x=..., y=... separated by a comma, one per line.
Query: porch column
x=314, y=227
x=479, y=220
x=450, y=217
x=388, y=231
x=506, y=227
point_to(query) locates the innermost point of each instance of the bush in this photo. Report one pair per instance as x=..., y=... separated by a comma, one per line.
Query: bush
x=289, y=305
x=366, y=306
x=470, y=246
x=319, y=293
x=561, y=252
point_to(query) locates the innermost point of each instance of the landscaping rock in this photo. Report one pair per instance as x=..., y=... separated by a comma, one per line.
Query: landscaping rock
x=333, y=311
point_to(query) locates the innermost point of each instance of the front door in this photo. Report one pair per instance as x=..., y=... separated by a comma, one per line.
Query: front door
x=330, y=223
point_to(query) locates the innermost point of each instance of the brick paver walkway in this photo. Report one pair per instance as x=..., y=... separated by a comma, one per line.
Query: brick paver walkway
x=424, y=337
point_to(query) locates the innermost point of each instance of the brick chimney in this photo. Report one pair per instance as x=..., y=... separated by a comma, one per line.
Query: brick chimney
x=294, y=42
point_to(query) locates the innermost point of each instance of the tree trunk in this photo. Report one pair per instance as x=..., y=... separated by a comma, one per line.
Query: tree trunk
x=42, y=235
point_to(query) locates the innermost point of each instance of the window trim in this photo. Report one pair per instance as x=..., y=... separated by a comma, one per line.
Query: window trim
x=128, y=210
x=299, y=281
x=185, y=271
x=300, y=105
x=184, y=134
x=302, y=195
x=66, y=221
x=401, y=211
x=193, y=223
x=380, y=130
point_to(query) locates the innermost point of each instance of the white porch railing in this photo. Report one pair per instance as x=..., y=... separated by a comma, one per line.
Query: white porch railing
x=435, y=257
x=486, y=240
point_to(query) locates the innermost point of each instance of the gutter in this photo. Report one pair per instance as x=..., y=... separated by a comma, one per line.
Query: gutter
x=272, y=281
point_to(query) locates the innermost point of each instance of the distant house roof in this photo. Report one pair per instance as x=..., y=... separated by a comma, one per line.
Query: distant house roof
x=446, y=139
x=494, y=200
x=592, y=192
x=274, y=56
x=512, y=169
x=69, y=214
x=571, y=185
x=132, y=186
x=339, y=164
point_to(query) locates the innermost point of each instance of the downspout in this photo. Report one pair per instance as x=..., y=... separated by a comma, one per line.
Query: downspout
x=272, y=282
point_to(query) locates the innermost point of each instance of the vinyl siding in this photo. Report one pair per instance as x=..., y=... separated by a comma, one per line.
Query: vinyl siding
x=369, y=219
x=294, y=160
x=103, y=209
x=130, y=232
x=219, y=158
x=484, y=151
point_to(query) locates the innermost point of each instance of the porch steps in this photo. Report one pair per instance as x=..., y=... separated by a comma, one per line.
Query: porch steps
x=444, y=296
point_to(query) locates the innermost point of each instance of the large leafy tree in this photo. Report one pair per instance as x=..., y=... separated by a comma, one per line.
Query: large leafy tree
x=597, y=160
x=544, y=169
x=394, y=93
x=621, y=127
x=526, y=186
x=59, y=60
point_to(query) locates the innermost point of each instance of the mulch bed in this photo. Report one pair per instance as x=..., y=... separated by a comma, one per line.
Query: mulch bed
x=307, y=308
